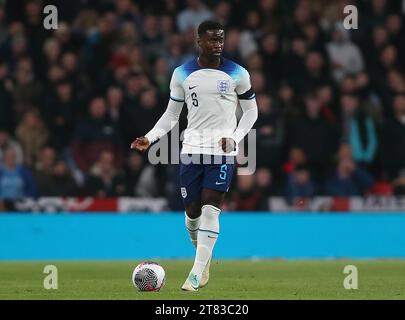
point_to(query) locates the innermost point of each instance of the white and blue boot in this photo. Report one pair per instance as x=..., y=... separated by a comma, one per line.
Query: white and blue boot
x=192, y=283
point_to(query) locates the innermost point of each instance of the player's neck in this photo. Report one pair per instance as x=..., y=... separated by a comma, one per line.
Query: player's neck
x=208, y=62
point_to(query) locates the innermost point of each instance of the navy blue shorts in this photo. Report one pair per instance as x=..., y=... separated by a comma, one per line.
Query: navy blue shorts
x=204, y=171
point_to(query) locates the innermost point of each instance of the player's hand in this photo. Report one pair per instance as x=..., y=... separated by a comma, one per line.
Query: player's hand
x=141, y=144
x=227, y=144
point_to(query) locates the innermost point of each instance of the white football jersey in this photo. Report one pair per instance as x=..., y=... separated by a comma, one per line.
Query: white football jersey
x=211, y=96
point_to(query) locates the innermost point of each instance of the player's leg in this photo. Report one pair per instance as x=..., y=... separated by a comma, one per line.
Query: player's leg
x=193, y=219
x=206, y=237
x=216, y=182
x=208, y=233
x=191, y=175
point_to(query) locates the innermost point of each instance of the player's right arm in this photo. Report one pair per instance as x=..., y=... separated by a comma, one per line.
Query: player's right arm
x=169, y=118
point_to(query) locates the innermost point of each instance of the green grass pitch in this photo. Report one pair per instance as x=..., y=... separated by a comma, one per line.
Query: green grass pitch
x=230, y=279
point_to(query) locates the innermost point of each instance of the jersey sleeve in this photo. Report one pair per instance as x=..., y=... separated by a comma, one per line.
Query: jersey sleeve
x=243, y=85
x=176, y=88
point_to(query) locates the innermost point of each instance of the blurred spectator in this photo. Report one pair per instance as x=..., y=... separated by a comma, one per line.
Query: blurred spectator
x=78, y=80
x=270, y=132
x=314, y=136
x=299, y=184
x=36, y=33
x=349, y=180
x=26, y=90
x=52, y=51
x=167, y=26
x=7, y=142
x=60, y=114
x=294, y=62
x=250, y=34
x=162, y=77
x=314, y=37
x=115, y=101
x=55, y=74
x=379, y=40
x=152, y=40
x=105, y=180
x=222, y=12
x=44, y=169
x=18, y=46
x=265, y=183
x=259, y=83
x=16, y=181
x=328, y=106
x=66, y=39
x=382, y=186
x=255, y=62
x=133, y=88
x=296, y=157
x=359, y=130
x=364, y=88
x=301, y=16
x=248, y=197
x=288, y=101
x=396, y=31
x=316, y=72
x=3, y=26
x=193, y=15
x=271, y=52
x=142, y=117
x=6, y=106
x=100, y=43
x=232, y=45
x=140, y=178
x=95, y=133
x=344, y=55
x=399, y=184
x=387, y=60
x=62, y=183
x=33, y=135
x=378, y=11
x=175, y=54
x=272, y=12
x=392, y=139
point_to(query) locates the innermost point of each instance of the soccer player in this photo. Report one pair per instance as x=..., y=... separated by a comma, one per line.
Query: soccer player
x=211, y=87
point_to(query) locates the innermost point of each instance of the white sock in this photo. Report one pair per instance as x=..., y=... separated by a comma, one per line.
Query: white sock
x=207, y=236
x=192, y=226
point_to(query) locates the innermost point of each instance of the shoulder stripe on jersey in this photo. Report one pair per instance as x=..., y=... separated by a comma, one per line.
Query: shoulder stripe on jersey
x=231, y=68
x=187, y=68
x=177, y=100
x=234, y=70
x=248, y=95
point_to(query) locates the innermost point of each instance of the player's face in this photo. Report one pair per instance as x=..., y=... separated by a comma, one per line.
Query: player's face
x=212, y=43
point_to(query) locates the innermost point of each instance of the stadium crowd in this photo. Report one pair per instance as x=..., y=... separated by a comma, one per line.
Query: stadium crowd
x=331, y=101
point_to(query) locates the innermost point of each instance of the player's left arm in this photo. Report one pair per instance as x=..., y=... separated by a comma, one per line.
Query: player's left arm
x=248, y=105
x=247, y=101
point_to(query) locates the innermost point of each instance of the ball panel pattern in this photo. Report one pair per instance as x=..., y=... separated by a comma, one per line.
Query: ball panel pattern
x=146, y=280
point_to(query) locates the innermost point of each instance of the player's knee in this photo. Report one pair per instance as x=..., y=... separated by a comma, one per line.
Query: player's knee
x=193, y=210
x=212, y=198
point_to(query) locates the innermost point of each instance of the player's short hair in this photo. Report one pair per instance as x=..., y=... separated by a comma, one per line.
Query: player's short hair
x=209, y=25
